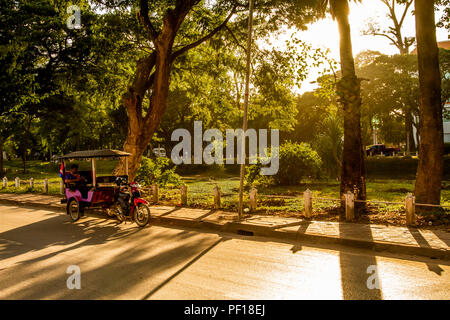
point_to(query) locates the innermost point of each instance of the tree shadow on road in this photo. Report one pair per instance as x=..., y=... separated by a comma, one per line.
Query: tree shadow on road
x=57, y=230
x=356, y=269
x=301, y=230
x=132, y=255
x=420, y=239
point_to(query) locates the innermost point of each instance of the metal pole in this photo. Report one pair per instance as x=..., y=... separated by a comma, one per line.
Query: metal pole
x=244, y=126
x=94, y=173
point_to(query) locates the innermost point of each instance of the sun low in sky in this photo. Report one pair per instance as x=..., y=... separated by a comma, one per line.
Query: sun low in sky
x=324, y=33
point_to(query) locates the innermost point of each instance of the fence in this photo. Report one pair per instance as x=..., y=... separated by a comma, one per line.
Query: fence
x=348, y=199
x=33, y=185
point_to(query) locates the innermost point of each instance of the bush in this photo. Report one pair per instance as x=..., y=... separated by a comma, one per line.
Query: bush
x=297, y=162
x=253, y=176
x=329, y=145
x=158, y=171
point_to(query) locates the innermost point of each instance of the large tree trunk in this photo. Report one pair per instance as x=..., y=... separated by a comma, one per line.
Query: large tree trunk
x=353, y=166
x=141, y=129
x=25, y=145
x=1, y=154
x=431, y=147
x=154, y=72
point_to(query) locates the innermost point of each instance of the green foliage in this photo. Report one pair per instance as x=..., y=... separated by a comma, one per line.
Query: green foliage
x=158, y=171
x=302, y=56
x=444, y=63
x=272, y=104
x=253, y=176
x=390, y=94
x=445, y=19
x=313, y=108
x=329, y=145
x=69, y=84
x=58, y=80
x=297, y=161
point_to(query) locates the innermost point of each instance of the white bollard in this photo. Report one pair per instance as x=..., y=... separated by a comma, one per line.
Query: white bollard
x=61, y=187
x=45, y=185
x=216, y=197
x=183, y=191
x=349, y=206
x=31, y=183
x=17, y=182
x=155, y=193
x=410, y=205
x=253, y=199
x=5, y=182
x=307, y=197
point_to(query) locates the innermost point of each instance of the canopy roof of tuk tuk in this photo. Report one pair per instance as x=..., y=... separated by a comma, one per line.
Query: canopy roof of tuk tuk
x=106, y=153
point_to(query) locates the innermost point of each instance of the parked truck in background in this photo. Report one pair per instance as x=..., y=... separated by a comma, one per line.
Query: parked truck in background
x=381, y=149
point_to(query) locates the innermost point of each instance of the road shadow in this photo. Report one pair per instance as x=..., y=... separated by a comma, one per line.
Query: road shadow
x=59, y=231
x=210, y=212
x=301, y=230
x=356, y=269
x=443, y=236
x=420, y=239
x=170, y=212
x=154, y=258
x=181, y=270
x=145, y=253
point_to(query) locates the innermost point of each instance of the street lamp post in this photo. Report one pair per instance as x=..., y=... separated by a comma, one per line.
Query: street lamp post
x=246, y=99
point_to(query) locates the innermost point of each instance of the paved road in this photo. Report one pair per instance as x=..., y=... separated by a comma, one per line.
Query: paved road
x=122, y=261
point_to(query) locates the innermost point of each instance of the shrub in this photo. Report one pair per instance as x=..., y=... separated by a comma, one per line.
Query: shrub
x=158, y=171
x=253, y=176
x=329, y=145
x=297, y=162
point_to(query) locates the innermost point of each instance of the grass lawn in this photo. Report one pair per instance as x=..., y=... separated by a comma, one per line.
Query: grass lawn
x=380, y=186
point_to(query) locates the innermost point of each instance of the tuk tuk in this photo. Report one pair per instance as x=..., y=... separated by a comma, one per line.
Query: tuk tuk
x=114, y=194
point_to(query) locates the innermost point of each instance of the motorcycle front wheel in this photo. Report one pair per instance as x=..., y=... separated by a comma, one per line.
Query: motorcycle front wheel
x=142, y=215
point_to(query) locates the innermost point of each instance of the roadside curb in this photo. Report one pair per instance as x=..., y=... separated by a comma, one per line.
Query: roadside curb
x=263, y=231
x=270, y=232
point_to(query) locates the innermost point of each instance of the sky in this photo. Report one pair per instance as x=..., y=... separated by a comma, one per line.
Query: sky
x=324, y=34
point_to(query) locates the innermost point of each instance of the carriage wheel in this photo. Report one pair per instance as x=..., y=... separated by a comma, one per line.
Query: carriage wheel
x=74, y=210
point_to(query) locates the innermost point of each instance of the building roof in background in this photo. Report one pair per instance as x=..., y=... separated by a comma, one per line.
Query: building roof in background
x=442, y=44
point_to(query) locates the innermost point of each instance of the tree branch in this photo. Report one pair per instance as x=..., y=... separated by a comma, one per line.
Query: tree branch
x=181, y=51
x=235, y=39
x=385, y=35
x=405, y=12
x=143, y=16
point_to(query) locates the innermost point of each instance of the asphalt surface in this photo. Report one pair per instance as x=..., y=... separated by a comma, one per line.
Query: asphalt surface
x=122, y=261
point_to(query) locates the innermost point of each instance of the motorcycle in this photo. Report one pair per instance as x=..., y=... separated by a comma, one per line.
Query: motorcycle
x=129, y=203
